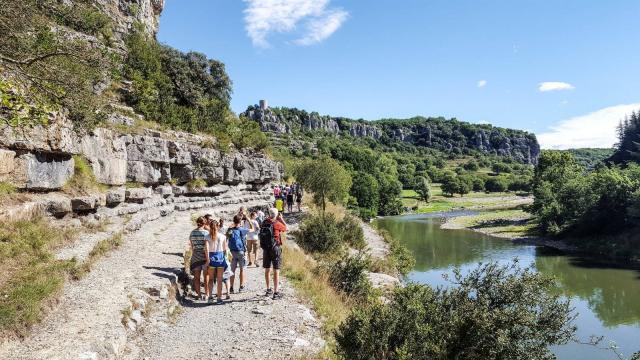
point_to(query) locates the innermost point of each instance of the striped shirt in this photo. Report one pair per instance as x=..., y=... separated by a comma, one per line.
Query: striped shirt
x=198, y=239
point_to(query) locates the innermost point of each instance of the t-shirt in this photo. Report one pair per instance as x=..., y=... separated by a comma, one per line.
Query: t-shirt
x=217, y=244
x=279, y=204
x=276, y=191
x=253, y=235
x=198, y=238
x=278, y=229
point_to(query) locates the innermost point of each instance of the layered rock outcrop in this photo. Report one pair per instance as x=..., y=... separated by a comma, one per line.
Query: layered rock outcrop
x=41, y=158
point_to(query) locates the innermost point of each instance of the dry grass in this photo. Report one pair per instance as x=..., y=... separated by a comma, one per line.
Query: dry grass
x=332, y=307
x=31, y=274
x=83, y=181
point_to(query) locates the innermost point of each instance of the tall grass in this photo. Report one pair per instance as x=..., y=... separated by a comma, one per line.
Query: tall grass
x=31, y=274
x=83, y=181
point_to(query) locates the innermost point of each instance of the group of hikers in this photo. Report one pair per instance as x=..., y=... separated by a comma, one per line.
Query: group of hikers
x=219, y=252
x=286, y=195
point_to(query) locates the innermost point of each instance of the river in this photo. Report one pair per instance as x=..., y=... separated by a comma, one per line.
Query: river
x=606, y=298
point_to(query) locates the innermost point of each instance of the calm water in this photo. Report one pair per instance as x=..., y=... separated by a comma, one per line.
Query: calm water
x=607, y=299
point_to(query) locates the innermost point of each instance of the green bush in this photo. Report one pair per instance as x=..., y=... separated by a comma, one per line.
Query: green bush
x=478, y=184
x=196, y=184
x=352, y=233
x=349, y=276
x=496, y=184
x=495, y=312
x=320, y=233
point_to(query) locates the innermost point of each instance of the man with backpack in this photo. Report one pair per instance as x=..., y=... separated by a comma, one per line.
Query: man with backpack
x=271, y=237
x=237, y=242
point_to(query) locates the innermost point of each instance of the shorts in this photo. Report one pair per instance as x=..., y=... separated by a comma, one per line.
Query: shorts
x=238, y=259
x=199, y=266
x=252, y=246
x=272, y=258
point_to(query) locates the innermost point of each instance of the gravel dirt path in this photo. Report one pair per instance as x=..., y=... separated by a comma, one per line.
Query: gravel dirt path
x=87, y=322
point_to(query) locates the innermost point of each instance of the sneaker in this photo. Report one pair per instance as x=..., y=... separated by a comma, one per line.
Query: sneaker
x=232, y=291
x=269, y=292
x=277, y=295
x=219, y=302
x=257, y=265
x=241, y=289
x=203, y=297
x=210, y=299
x=250, y=263
x=227, y=297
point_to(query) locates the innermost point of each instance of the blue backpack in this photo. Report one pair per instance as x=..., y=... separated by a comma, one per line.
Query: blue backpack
x=236, y=242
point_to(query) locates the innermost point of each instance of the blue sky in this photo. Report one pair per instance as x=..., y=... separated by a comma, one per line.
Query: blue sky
x=479, y=61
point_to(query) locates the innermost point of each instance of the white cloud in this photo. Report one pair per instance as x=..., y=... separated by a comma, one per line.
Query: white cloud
x=554, y=86
x=263, y=17
x=482, y=83
x=596, y=129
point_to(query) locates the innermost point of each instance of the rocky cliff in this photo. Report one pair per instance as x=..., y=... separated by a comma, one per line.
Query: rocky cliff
x=438, y=133
x=42, y=159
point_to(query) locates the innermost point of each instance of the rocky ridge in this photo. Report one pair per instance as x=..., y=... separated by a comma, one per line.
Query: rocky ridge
x=441, y=134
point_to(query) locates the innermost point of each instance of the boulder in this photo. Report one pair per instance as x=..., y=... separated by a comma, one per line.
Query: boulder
x=164, y=190
x=148, y=172
x=85, y=203
x=106, y=151
x=115, y=196
x=56, y=204
x=138, y=195
x=42, y=171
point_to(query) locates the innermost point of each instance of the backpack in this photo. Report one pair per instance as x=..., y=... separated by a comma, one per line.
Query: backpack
x=266, y=235
x=236, y=243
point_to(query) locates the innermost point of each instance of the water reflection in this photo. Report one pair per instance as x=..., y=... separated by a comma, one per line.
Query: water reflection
x=606, y=298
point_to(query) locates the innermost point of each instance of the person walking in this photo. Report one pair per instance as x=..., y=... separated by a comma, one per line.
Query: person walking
x=198, y=243
x=299, y=198
x=272, y=235
x=290, y=201
x=252, y=239
x=237, y=241
x=217, y=262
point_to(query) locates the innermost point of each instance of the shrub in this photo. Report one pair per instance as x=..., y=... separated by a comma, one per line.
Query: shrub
x=352, y=233
x=349, y=276
x=496, y=184
x=495, y=312
x=500, y=168
x=320, y=233
x=196, y=184
x=6, y=189
x=472, y=165
x=478, y=184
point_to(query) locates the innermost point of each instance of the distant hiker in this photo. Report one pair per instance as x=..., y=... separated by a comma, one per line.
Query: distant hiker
x=271, y=236
x=299, y=199
x=290, y=201
x=279, y=204
x=237, y=237
x=217, y=262
x=252, y=239
x=260, y=216
x=198, y=243
x=276, y=191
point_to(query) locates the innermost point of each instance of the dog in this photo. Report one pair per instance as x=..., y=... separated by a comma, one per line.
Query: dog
x=184, y=283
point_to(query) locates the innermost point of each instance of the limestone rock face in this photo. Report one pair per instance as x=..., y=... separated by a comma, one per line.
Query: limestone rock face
x=58, y=136
x=107, y=154
x=125, y=13
x=42, y=171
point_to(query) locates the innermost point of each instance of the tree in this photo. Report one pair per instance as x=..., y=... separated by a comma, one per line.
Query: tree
x=496, y=184
x=449, y=184
x=326, y=179
x=478, y=184
x=365, y=189
x=499, y=168
x=42, y=51
x=423, y=188
x=465, y=184
x=628, y=147
x=495, y=312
